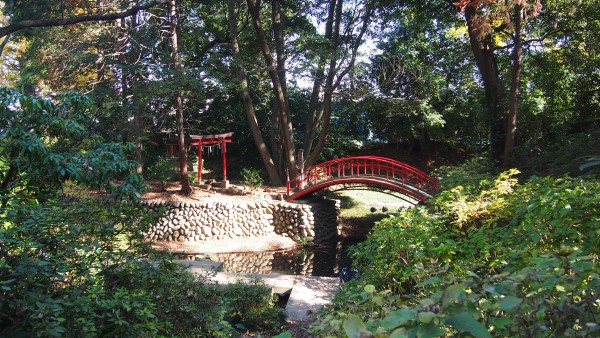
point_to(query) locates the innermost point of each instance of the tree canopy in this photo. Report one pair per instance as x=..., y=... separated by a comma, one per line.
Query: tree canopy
x=282, y=75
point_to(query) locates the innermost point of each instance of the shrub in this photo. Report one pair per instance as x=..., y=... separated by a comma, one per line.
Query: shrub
x=162, y=171
x=492, y=257
x=81, y=268
x=251, y=177
x=251, y=306
x=541, y=300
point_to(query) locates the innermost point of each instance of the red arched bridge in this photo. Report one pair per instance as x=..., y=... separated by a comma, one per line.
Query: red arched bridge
x=364, y=170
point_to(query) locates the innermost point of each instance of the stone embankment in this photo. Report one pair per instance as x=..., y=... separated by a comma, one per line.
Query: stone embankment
x=312, y=222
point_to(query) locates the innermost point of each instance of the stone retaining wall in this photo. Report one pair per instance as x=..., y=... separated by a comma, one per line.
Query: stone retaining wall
x=314, y=223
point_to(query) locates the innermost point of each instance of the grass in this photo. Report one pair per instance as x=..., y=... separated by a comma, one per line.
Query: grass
x=360, y=209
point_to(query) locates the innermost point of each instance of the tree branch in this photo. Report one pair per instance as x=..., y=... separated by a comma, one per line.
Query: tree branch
x=4, y=31
x=3, y=44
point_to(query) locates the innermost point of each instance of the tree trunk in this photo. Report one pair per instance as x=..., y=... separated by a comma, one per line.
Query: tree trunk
x=4, y=43
x=332, y=82
x=133, y=84
x=276, y=147
x=313, y=120
x=248, y=106
x=287, y=132
x=276, y=125
x=517, y=60
x=186, y=188
x=483, y=51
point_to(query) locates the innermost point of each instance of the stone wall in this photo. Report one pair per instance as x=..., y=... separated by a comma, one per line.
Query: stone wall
x=312, y=222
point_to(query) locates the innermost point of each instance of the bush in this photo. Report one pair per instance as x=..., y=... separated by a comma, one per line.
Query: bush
x=53, y=257
x=162, y=171
x=492, y=257
x=82, y=268
x=251, y=306
x=252, y=177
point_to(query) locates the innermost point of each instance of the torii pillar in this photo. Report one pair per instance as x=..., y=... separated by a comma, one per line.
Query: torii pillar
x=207, y=140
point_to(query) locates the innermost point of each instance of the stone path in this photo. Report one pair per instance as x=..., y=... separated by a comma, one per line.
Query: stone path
x=307, y=293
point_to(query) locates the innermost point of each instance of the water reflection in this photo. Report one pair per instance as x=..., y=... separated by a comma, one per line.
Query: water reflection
x=328, y=261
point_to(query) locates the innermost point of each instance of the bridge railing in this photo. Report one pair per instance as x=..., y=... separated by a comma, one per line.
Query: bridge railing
x=363, y=166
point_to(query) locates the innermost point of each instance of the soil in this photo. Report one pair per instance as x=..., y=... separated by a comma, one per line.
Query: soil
x=235, y=192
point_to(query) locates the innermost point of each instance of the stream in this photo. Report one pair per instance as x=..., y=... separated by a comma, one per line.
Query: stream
x=332, y=260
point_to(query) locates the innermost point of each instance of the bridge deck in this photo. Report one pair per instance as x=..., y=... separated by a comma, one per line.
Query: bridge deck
x=396, y=185
x=367, y=170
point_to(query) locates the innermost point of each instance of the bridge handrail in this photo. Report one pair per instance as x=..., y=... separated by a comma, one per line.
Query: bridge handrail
x=362, y=163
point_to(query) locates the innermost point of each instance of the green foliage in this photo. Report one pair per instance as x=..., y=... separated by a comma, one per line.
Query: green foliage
x=182, y=304
x=162, y=171
x=251, y=306
x=251, y=177
x=564, y=156
x=44, y=142
x=555, y=296
x=468, y=209
x=80, y=266
x=492, y=257
x=53, y=258
x=425, y=89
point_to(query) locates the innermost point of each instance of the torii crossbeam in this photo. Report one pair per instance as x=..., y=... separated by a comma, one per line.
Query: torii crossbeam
x=200, y=141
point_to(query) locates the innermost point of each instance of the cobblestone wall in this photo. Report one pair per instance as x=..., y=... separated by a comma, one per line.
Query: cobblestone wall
x=315, y=222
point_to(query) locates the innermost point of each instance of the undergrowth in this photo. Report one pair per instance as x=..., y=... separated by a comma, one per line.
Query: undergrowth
x=488, y=257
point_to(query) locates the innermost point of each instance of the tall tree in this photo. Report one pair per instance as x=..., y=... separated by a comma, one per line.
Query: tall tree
x=186, y=188
x=339, y=43
x=487, y=22
x=247, y=99
x=423, y=86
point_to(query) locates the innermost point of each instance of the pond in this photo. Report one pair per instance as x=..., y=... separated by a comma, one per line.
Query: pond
x=327, y=261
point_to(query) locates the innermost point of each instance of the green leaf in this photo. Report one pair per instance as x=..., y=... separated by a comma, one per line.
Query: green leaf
x=399, y=333
x=426, y=302
x=369, y=288
x=398, y=318
x=429, y=330
x=490, y=288
x=502, y=322
x=429, y=281
x=354, y=326
x=426, y=316
x=285, y=334
x=509, y=302
x=453, y=293
x=465, y=323
x=378, y=300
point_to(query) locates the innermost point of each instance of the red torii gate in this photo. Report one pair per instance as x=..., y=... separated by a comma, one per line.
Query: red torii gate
x=208, y=140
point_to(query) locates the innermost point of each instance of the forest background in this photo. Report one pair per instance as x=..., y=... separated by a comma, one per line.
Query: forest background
x=515, y=81
x=285, y=76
